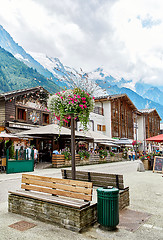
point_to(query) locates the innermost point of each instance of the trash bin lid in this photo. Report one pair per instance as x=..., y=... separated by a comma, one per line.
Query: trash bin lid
x=108, y=190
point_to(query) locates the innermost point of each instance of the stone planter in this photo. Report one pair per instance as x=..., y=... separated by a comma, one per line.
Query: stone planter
x=146, y=164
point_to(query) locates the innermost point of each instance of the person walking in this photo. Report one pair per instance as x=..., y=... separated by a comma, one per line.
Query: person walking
x=133, y=155
x=28, y=153
x=129, y=154
x=35, y=155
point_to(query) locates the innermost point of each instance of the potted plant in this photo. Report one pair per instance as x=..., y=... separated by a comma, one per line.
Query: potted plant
x=84, y=154
x=103, y=154
x=66, y=154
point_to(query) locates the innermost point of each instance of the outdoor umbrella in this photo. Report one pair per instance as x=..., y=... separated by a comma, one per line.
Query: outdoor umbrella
x=158, y=138
x=7, y=136
x=51, y=129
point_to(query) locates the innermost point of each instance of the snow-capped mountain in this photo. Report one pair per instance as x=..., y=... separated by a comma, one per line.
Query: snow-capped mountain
x=68, y=77
x=98, y=82
x=7, y=42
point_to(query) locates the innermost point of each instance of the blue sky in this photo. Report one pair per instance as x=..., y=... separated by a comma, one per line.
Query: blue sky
x=125, y=37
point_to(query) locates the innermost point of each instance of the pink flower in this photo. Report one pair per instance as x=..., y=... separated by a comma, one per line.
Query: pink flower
x=83, y=98
x=75, y=100
x=80, y=105
x=45, y=108
x=61, y=97
x=65, y=120
x=88, y=94
x=85, y=106
x=69, y=117
x=78, y=96
x=69, y=102
x=93, y=97
x=72, y=102
x=84, y=101
x=59, y=93
x=74, y=95
x=48, y=110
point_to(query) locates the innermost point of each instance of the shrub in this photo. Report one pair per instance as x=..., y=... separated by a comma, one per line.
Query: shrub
x=66, y=153
x=112, y=154
x=103, y=154
x=84, y=154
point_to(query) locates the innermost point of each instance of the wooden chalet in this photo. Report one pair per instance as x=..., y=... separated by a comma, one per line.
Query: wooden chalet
x=24, y=109
x=151, y=122
x=122, y=111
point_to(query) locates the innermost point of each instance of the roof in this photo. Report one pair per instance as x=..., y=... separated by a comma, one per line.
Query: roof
x=115, y=96
x=158, y=138
x=21, y=91
x=148, y=111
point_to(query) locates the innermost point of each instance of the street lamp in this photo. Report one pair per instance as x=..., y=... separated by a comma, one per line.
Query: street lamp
x=136, y=128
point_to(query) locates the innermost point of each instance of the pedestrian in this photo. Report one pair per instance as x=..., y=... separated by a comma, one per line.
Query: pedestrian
x=133, y=155
x=129, y=154
x=28, y=153
x=35, y=155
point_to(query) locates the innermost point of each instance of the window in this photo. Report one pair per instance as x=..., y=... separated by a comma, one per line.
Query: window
x=21, y=114
x=45, y=118
x=101, y=127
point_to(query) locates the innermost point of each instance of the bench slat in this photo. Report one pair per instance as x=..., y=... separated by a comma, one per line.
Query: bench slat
x=93, y=174
x=58, y=186
x=98, y=179
x=58, y=180
x=57, y=192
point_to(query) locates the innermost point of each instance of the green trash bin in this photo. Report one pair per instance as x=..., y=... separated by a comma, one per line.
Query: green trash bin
x=108, y=207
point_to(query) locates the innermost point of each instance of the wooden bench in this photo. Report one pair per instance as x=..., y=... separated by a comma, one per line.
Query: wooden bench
x=54, y=200
x=103, y=180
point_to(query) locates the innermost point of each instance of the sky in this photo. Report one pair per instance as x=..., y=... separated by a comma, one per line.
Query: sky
x=125, y=37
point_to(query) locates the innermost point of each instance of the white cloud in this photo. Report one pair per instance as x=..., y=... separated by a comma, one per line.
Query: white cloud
x=125, y=36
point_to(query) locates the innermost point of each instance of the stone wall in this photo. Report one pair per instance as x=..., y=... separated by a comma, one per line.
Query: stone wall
x=70, y=218
x=124, y=200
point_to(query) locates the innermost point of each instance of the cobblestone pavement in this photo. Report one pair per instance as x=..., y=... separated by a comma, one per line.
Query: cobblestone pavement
x=146, y=195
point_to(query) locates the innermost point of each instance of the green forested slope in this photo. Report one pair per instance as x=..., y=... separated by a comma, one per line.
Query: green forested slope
x=16, y=75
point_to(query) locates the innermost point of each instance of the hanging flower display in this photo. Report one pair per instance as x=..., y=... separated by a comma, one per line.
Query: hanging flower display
x=74, y=102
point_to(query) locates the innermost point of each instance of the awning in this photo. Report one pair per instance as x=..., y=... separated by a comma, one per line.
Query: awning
x=96, y=136
x=124, y=141
x=158, y=138
x=110, y=144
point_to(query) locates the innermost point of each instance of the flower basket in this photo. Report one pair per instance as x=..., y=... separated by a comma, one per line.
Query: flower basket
x=76, y=103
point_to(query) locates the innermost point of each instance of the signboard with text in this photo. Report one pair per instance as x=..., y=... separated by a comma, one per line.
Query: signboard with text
x=158, y=164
